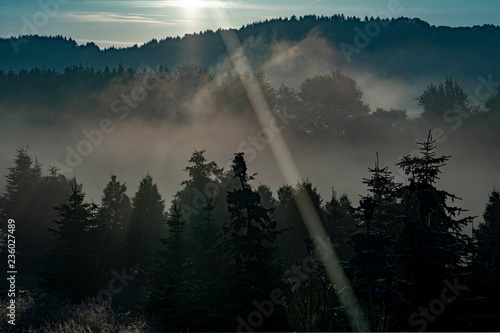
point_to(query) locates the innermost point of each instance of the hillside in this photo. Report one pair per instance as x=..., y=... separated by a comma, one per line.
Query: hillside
x=406, y=45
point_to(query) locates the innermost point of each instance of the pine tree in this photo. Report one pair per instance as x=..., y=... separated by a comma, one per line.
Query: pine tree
x=370, y=267
x=486, y=264
x=22, y=182
x=74, y=264
x=146, y=223
x=250, y=239
x=430, y=244
x=115, y=207
x=203, y=210
x=23, y=202
x=178, y=292
x=340, y=223
x=204, y=242
x=114, y=216
x=166, y=265
x=204, y=179
x=382, y=197
x=290, y=219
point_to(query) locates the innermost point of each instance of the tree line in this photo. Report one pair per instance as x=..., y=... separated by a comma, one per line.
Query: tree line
x=328, y=106
x=227, y=255
x=439, y=48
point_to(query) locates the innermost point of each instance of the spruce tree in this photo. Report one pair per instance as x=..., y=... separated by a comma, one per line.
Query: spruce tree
x=114, y=216
x=250, y=239
x=203, y=210
x=382, y=197
x=74, y=263
x=205, y=240
x=430, y=244
x=166, y=266
x=178, y=291
x=486, y=264
x=22, y=202
x=340, y=222
x=146, y=224
x=290, y=219
x=370, y=268
x=204, y=179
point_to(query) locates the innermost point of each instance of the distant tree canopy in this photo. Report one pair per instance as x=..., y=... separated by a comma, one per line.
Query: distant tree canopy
x=324, y=106
x=452, y=47
x=443, y=101
x=329, y=102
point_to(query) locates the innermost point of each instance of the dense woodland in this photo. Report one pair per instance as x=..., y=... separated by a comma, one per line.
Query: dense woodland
x=228, y=253
x=409, y=45
x=33, y=96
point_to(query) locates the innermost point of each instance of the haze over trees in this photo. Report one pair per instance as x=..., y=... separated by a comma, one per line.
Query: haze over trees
x=229, y=250
x=397, y=248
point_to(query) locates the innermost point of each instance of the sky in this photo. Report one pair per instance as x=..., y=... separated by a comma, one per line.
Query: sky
x=123, y=23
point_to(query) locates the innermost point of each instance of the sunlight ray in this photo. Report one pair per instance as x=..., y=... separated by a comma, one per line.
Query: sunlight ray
x=292, y=175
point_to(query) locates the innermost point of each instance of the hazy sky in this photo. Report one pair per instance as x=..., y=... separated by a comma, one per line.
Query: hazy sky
x=126, y=22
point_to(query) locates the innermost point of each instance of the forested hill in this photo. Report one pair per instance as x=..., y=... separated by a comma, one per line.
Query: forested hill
x=407, y=45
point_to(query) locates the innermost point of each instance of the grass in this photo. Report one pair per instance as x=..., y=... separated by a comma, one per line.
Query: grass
x=40, y=312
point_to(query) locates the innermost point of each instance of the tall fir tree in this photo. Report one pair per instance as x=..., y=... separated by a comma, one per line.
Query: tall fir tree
x=486, y=264
x=340, y=222
x=250, y=239
x=75, y=264
x=370, y=268
x=430, y=245
x=204, y=180
x=383, y=192
x=114, y=216
x=22, y=202
x=178, y=292
x=146, y=224
x=165, y=270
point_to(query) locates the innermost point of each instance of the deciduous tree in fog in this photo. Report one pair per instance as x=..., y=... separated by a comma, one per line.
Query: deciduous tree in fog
x=444, y=101
x=329, y=102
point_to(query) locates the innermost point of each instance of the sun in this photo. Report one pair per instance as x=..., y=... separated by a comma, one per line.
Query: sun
x=192, y=4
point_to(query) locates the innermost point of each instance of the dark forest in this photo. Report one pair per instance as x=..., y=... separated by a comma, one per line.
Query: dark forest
x=229, y=243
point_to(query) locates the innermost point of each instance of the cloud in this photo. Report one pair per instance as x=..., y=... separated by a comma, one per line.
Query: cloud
x=205, y=4
x=114, y=17
x=292, y=62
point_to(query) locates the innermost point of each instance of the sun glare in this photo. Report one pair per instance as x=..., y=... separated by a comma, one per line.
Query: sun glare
x=192, y=4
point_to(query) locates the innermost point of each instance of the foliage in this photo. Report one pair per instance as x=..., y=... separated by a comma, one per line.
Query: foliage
x=443, y=101
x=311, y=306
x=250, y=240
x=430, y=244
x=114, y=217
x=44, y=312
x=146, y=223
x=330, y=102
x=486, y=263
x=75, y=263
